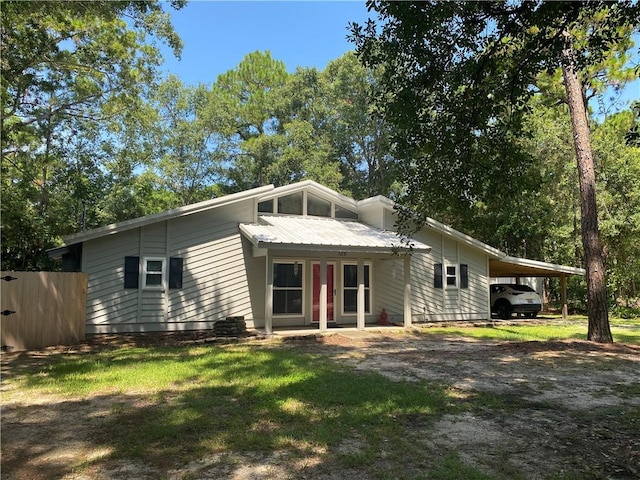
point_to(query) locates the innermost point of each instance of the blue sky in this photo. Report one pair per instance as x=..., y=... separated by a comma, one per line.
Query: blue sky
x=217, y=34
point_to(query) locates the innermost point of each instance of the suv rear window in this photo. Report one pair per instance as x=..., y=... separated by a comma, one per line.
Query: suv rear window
x=522, y=288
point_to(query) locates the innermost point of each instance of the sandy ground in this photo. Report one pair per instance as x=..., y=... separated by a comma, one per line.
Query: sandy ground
x=586, y=417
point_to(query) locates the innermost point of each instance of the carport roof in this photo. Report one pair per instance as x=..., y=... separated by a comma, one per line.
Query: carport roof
x=523, y=267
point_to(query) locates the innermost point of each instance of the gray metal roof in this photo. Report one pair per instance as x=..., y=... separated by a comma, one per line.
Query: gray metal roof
x=325, y=234
x=508, y=266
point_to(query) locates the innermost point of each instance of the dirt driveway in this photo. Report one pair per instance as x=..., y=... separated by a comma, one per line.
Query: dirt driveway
x=582, y=400
x=565, y=406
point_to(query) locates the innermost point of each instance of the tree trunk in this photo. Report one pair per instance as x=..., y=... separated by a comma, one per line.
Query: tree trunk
x=599, y=330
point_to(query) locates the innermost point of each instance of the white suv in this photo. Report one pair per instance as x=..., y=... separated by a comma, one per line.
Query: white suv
x=508, y=298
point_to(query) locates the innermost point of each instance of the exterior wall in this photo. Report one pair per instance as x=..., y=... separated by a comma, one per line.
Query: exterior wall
x=222, y=277
x=436, y=304
x=389, y=288
x=216, y=269
x=372, y=215
x=110, y=307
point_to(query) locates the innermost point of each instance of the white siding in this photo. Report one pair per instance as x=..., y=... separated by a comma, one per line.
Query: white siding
x=221, y=277
x=389, y=287
x=435, y=304
x=216, y=260
x=108, y=302
x=215, y=282
x=372, y=215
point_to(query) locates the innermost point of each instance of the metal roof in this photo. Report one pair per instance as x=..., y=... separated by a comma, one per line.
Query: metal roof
x=325, y=234
x=508, y=266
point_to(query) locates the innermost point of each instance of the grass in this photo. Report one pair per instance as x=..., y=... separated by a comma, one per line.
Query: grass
x=166, y=407
x=183, y=404
x=575, y=328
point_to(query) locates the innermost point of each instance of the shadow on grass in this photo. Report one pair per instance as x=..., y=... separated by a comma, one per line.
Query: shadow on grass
x=207, y=401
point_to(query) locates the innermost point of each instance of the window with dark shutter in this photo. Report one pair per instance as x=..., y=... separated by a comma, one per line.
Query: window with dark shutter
x=464, y=275
x=131, y=272
x=437, y=275
x=175, y=272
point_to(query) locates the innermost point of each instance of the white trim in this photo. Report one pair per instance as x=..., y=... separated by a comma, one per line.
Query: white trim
x=301, y=263
x=406, y=275
x=315, y=188
x=446, y=276
x=342, y=287
x=162, y=273
x=551, y=267
x=486, y=288
x=268, y=300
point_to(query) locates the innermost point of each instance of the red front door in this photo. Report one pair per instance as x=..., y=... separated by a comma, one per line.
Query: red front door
x=316, y=292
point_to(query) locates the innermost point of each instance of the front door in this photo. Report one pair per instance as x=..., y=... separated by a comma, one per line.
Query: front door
x=316, y=292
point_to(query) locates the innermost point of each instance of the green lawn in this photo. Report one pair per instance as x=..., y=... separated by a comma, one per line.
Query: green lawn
x=198, y=401
x=575, y=328
x=168, y=406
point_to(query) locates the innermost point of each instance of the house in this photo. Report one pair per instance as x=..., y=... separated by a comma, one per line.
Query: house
x=292, y=256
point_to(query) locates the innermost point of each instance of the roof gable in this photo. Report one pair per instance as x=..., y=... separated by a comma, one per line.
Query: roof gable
x=384, y=203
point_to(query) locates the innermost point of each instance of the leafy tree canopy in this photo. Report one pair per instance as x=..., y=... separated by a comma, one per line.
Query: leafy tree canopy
x=67, y=70
x=458, y=77
x=457, y=80
x=66, y=58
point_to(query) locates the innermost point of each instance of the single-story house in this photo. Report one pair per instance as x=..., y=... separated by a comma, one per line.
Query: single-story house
x=292, y=256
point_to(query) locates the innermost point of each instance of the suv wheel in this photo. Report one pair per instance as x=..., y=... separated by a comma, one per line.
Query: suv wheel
x=504, y=310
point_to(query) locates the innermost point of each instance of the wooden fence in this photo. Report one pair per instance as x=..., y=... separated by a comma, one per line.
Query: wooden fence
x=41, y=309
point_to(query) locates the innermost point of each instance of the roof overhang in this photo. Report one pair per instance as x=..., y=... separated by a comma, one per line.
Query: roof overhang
x=523, y=267
x=163, y=216
x=320, y=234
x=57, y=253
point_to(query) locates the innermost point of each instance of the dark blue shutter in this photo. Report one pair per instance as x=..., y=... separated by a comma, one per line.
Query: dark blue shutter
x=464, y=275
x=131, y=272
x=175, y=272
x=437, y=275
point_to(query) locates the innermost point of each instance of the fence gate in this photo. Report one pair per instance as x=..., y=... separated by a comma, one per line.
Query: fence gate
x=41, y=309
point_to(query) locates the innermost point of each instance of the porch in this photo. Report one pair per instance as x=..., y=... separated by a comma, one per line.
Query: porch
x=293, y=245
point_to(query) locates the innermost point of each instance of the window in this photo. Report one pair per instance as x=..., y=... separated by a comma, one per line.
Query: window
x=265, y=207
x=291, y=204
x=317, y=206
x=452, y=276
x=153, y=273
x=350, y=289
x=344, y=213
x=287, y=288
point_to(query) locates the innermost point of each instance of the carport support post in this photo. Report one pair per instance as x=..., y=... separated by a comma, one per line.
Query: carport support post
x=407, y=291
x=360, y=300
x=565, y=307
x=323, y=295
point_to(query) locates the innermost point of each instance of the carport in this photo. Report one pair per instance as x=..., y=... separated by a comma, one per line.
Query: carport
x=523, y=267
